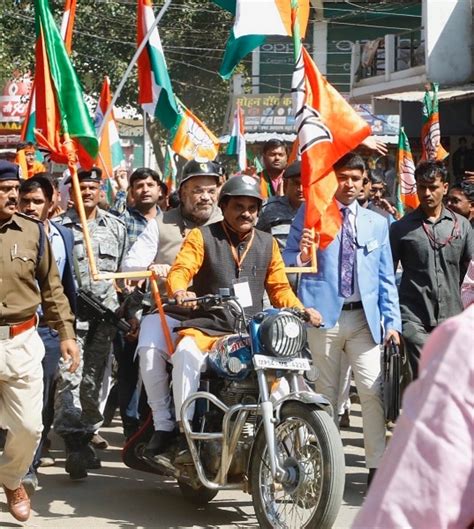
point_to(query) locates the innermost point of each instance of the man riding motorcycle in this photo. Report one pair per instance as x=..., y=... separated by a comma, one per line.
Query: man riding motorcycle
x=155, y=249
x=221, y=255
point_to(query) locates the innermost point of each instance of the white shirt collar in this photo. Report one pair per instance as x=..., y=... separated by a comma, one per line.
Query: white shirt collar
x=352, y=207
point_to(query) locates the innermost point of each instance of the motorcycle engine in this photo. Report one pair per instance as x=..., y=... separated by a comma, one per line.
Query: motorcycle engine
x=231, y=392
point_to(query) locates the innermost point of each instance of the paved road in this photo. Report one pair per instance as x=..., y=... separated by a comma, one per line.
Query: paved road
x=119, y=498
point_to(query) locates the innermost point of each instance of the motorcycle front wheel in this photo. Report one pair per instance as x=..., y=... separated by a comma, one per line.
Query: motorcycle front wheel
x=310, y=448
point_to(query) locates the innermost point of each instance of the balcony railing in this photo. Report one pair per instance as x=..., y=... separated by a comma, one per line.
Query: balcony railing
x=393, y=52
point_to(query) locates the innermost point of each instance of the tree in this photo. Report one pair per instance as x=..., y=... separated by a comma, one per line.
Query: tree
x=193, y=35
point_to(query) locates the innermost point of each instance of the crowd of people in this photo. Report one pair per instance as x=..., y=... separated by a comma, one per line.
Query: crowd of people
x=385, y=279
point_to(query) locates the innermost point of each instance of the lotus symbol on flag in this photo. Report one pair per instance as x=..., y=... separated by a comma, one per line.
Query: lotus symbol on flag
x=197, y=138
x=310, y=127
x=407, y=179
x=432, y=140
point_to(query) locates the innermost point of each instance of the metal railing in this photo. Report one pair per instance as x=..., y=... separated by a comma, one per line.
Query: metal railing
x=407, y=51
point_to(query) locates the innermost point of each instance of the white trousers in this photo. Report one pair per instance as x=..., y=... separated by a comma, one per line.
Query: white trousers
x=188, y=362
x=351, y=338
x=153, y=355
x=21, y=403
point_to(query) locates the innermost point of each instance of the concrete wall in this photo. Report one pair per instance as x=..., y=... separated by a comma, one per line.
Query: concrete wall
x=448, y=40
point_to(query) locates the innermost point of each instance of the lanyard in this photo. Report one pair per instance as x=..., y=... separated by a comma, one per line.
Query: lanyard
x=235, y=255
x=438, y=245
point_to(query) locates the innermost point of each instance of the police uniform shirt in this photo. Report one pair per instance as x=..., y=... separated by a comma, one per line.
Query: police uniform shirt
x=21, y=273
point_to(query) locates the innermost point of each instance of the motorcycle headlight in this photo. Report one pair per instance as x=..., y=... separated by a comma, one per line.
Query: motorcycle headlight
x=283, y=335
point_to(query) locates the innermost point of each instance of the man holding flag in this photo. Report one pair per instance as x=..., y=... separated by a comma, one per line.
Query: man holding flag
x=354, y=288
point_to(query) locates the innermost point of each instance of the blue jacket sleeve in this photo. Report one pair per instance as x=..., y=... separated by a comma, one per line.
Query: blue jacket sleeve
x=388, y=294
x=292, y=248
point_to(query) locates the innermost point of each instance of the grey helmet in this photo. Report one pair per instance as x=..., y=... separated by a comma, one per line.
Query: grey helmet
x=241, y=186
x=199, y=167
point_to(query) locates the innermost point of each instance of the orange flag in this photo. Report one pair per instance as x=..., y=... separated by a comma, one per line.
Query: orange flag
x=328, y=127
x=430, y=131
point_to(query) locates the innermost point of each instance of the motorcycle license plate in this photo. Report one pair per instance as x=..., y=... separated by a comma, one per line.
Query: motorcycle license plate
x=269, y=362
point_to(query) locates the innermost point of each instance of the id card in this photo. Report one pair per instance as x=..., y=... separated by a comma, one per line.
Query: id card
x=242, y=292
x=372, y=245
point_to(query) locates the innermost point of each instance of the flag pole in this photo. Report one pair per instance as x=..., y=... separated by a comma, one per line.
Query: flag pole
x=137, y=54
x=295, y=27
x=159, y=305
x=79, y=204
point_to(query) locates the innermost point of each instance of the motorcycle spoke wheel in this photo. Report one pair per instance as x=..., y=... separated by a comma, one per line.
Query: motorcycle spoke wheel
x=310, y=448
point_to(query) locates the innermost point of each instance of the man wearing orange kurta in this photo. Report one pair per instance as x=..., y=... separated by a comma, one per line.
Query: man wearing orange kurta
x=217, y=256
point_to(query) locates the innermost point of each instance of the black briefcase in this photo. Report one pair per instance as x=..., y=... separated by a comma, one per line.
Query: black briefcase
x=392, y=378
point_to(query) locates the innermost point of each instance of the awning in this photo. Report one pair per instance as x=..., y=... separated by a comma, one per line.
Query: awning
x=451, y=93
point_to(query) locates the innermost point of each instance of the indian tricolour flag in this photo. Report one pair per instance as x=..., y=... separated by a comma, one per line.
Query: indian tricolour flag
x=155, y=90
x=254, y=20
x=188, y=136
x=110, y=151
x=237, y=145
x=67, y=23
x=406, y=184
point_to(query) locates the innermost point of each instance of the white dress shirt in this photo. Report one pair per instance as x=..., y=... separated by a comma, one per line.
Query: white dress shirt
x=143, y=251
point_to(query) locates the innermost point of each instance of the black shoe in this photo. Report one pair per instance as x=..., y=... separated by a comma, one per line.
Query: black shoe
x=370, y=477
x=345, y=420
x=91, y=461
x=75, y=466
x=183, y=455
x=30, y=483
x=159, y=442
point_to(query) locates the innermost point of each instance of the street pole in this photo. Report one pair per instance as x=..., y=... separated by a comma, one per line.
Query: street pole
x=132, y=64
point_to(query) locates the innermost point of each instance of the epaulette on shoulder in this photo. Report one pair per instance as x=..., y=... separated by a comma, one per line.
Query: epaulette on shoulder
x=26, y=217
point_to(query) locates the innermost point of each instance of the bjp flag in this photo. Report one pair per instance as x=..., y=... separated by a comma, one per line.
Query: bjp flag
x=430, y=130
x=328, y=128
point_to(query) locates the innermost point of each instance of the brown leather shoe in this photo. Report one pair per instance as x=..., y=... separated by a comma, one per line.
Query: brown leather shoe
x=18, y=503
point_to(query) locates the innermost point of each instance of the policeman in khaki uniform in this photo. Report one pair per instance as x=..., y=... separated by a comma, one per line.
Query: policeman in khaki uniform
x=28, y=276
x=77, y=414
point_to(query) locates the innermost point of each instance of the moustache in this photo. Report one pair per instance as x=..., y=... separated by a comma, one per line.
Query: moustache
x=11, y=203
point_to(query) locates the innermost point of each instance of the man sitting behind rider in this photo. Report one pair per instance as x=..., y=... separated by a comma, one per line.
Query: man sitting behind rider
x=220, y=255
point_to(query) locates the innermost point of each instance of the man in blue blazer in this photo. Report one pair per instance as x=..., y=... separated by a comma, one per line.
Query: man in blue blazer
x=354, y=291
x=36, y=201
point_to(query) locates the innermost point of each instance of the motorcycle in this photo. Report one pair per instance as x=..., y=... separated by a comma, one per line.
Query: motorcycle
x=258, y=426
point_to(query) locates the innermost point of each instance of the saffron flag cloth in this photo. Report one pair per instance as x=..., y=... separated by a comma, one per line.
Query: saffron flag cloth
x=254, y=20
x=61, y=112
x=237, y=146
x=190, y=138
x=154, y=83
x=67, y=23
x=406, y=184
x=110, y=151
x=430, y=131
x=328, y=127
x=170, y=171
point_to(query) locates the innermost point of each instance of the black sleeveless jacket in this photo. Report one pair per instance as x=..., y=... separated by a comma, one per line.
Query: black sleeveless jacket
x=219, y=270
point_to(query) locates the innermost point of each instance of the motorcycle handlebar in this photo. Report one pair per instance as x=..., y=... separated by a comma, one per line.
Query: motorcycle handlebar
x=215, y=299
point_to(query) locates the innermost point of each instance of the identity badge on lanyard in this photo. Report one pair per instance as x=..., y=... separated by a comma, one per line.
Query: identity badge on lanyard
x=242, y=292
x=241, y=284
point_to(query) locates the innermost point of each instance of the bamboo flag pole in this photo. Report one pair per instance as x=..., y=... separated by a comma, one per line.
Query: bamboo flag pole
x=164, y=324
x=72, y=166
x=313, y=267
x=134, y=59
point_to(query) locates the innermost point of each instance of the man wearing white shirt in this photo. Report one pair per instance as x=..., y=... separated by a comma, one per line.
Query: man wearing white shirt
x=354, y=290
x=156, y=249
